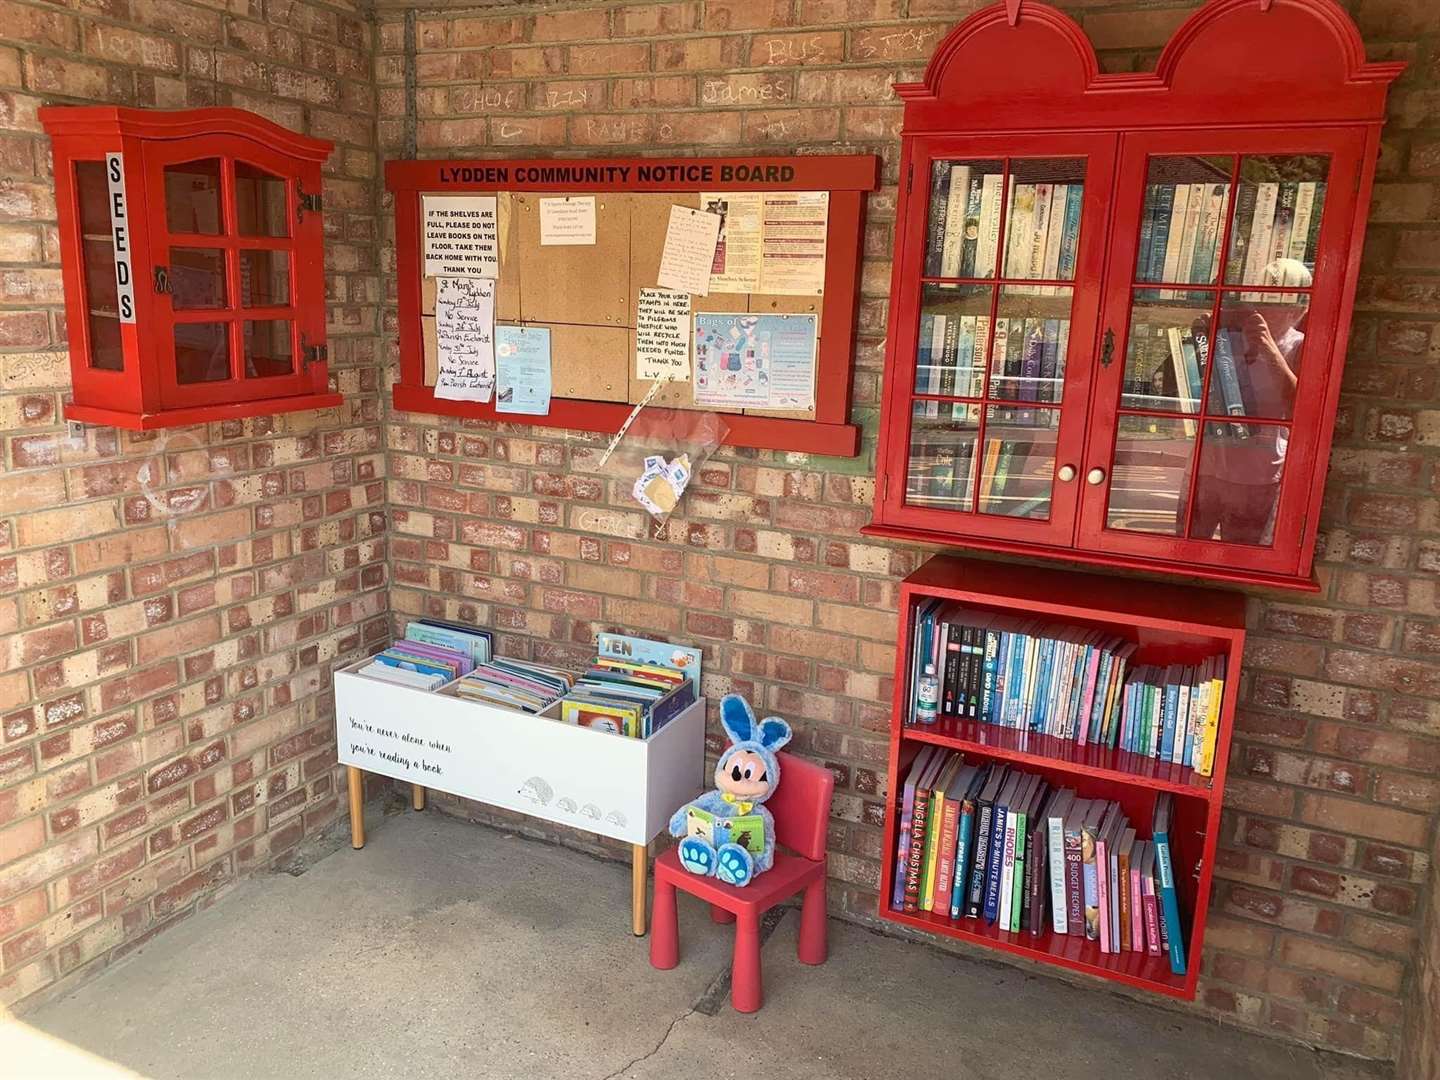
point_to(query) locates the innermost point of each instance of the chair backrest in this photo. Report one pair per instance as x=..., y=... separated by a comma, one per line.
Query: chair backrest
x=801, y=807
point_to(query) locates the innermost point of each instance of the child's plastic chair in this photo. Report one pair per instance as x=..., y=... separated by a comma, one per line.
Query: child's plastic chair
x=801, y=808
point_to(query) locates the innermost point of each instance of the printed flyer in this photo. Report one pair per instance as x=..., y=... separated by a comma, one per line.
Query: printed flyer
x=755, y=361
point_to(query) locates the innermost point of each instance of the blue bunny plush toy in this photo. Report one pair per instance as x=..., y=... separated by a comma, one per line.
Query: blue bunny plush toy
x=716, y=841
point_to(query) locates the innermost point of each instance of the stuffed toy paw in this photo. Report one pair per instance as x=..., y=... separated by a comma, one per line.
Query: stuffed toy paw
x=727, y=833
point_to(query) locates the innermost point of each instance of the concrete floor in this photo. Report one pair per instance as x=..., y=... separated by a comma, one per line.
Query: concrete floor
x=452, y=949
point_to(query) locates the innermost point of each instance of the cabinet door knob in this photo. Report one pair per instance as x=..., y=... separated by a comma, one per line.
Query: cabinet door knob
x=1095, y=476
x=1066, y=473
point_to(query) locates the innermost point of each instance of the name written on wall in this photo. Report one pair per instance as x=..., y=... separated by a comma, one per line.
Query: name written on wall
x=639, y=177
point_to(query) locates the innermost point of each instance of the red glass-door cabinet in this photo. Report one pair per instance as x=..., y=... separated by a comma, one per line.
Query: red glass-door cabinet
x=193, y=261
x=1120, y=303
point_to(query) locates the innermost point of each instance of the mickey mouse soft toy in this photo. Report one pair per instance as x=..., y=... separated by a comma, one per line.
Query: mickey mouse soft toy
x=722, y=829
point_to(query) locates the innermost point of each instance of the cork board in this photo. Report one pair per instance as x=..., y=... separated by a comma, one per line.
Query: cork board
x=587, y=295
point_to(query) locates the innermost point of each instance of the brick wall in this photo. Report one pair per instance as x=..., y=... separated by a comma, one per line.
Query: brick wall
x=1420, y=1040
x=1332, y=806
x=171, y=603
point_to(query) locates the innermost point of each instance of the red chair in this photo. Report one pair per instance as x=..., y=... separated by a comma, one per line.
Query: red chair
x=801, y=809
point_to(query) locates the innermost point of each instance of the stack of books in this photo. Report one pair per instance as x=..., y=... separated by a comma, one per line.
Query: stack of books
x=431, y=654
x=989, y=841
x=1172, y=713
x=516, y=684
x=627, y=697
x=964, y=229
x=1067, y=682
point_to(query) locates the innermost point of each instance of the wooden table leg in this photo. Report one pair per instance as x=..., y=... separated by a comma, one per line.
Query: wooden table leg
x=417, y=796
x=355, y=780
x=639, y=871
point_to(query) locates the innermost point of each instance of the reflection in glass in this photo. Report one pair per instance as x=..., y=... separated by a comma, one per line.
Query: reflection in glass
x=1032, y=334
x=1239, y=484
x=260, y=205
x=1257, y=355
x=192, y=197
x=266, y=348
x=98, y=247
x=197, y=278
x=202, y=352
x=1187, y=200
x=942, y=455
x=954, y=335
x=1168, y=350
x=1150, y=477
x=1277, y=218
x=1042, y=227
x=1018, y=468
x=264, y=278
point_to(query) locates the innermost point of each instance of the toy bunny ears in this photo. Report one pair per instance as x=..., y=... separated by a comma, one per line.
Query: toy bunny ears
x=739, y=722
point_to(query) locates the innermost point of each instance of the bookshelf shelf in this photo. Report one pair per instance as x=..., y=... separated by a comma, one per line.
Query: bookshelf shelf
x=1139, y=970
x=1010, y=744
x=1167, y=624
x=1110, y=249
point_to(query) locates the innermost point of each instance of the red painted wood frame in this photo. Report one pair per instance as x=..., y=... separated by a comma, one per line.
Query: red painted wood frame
x=1020, y=80
x=846, y=177
x=1171, y=624
x=144, y=393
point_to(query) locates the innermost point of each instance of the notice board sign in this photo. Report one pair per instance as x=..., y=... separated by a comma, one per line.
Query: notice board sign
x=786, y=258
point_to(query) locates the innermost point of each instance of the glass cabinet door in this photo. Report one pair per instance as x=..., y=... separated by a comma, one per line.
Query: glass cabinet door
x=998, y=299
x=1215, y=355
x=228, y=239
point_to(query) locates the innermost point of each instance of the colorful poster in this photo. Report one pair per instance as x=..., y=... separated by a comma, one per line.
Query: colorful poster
x=792, y=259
x=662, y=335
x=461, y=236
x=755, y=361
x=689, y=251
x=736, y=268
x=465, y=338
x=569, y=219
x=522, y=370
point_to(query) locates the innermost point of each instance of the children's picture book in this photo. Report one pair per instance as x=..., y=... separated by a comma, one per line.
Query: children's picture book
x=747, y=830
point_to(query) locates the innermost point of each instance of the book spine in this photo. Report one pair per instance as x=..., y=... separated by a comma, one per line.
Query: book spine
x=939, y=199
x=1121, y=886
x=1206, y=764
x=966, y=831
x=975, y=889
x=915, y=866
x=1160, y=234
x=1091, y=881
x=1300, y=230
x=902, y=847
x=987, y=696
x=1070, y=241
x=933, y=819
x=1058, y=907
x=953, y=240
x=994, y=868
x=1007, y=875
x=949, y=357
x=973, y=210
x=989, y=239
x=1167, y=733
x=1151, y=913
x=1137, y=901
x=1147, y=233
x=1074, y=882
x=1103, y=899
x=1037, y=856
x=945, y=863
x=1170, y=903
x=1022, y=876
x=1284, y=222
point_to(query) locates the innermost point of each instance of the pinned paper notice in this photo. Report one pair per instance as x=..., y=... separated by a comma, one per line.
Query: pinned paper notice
x=689, y=251
x=736, y=268
x=570, y=220
x=522, y=376
x=465, y=338
x=461, y=236
x=662, y=335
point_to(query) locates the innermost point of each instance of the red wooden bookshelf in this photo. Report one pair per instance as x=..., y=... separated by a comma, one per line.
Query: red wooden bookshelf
x=1170, y=624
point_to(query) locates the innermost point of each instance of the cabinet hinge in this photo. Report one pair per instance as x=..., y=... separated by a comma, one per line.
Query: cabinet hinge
x=909, y=177
x=313, y=203
x=885, y=488
x=312, y=354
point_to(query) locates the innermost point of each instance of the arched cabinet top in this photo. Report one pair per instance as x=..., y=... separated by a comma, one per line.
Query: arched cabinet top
x=92, y=121
x=1022, y=65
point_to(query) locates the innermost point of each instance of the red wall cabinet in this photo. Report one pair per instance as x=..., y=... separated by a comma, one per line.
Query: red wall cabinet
x=193, y=261
x=1120, y=303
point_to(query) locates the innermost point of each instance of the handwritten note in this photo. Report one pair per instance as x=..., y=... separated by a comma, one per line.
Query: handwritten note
x=465, y=338
x=662, y=335
x=570, y=220
x=461, y=236
x=522, y=376
x=689, y=251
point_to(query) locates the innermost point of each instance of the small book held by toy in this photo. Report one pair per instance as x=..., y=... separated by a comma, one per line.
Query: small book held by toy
x=747, y=830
